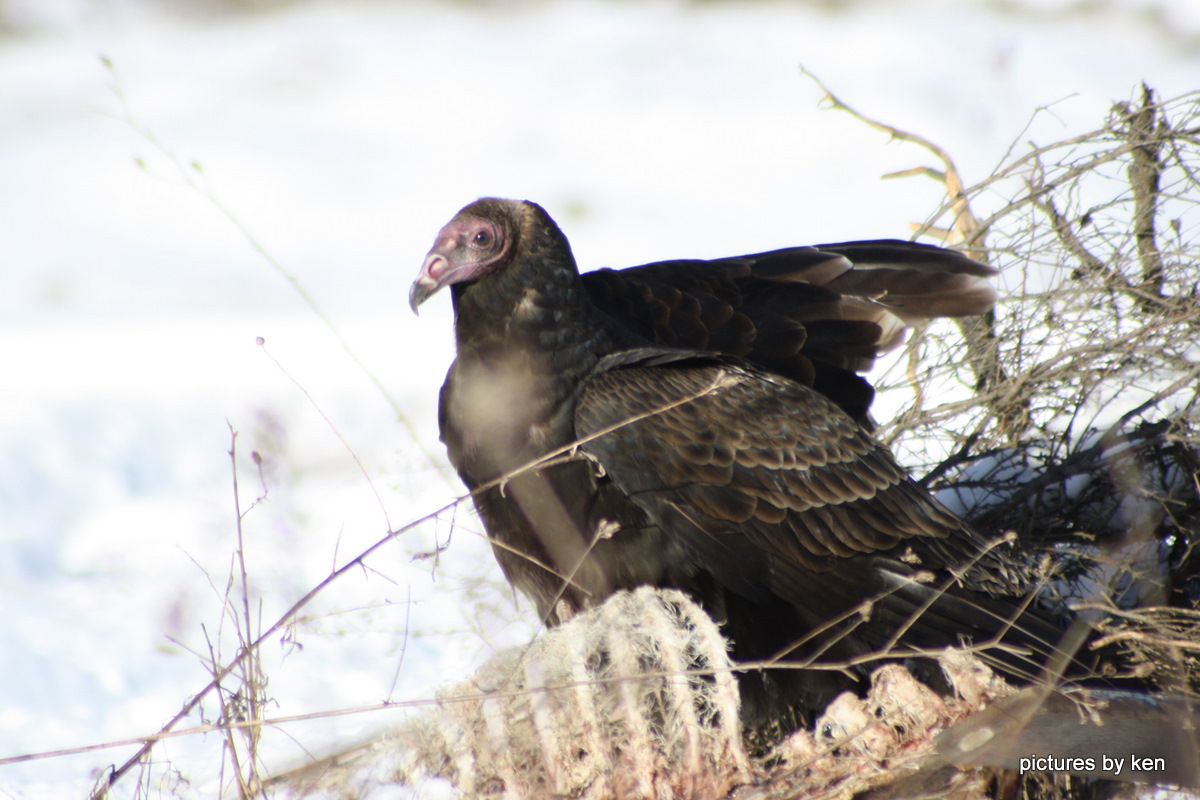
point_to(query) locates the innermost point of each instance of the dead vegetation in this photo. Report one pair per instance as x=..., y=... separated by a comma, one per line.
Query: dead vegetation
x=1084, y=433
x=636, y=699
x=631, y=699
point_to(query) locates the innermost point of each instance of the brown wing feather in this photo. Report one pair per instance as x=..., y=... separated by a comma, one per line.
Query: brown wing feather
x=747, y=454
x=768, y=487
x=816, y=315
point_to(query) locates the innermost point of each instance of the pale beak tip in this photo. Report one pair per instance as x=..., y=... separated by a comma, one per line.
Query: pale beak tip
x=416, y=296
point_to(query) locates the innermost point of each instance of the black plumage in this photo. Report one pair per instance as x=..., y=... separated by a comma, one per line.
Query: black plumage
x=701, y=425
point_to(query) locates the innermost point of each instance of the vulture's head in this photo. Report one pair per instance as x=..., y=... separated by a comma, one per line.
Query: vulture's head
x=481, y=239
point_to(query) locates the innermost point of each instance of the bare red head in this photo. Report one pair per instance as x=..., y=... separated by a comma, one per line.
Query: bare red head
x=477, y=239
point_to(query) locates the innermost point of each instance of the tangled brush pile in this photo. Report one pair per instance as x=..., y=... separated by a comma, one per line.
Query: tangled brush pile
x=635, y=699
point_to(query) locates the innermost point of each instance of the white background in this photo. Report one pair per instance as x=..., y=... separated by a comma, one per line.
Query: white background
x=341, y=137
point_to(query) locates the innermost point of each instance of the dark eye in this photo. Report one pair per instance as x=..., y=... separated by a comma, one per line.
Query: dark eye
x=482, y=239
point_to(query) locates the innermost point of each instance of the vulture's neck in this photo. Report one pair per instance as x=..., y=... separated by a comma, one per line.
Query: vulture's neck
x=534, y=310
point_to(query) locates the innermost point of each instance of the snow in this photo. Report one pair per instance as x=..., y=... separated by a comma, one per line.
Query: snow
x=342, y=136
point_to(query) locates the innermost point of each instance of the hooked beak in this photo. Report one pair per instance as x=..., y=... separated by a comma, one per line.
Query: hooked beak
x=433, y=276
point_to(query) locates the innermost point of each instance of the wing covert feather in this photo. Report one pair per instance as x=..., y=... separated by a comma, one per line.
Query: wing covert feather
x=744, y=453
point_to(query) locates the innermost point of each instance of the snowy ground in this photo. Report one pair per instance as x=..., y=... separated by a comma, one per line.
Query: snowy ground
x=342, y=136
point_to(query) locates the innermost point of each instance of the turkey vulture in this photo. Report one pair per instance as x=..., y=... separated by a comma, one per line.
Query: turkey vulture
x=700, y=425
